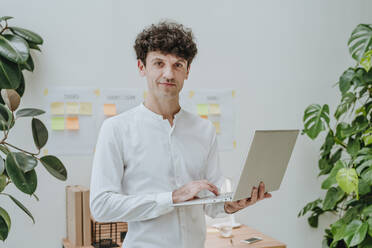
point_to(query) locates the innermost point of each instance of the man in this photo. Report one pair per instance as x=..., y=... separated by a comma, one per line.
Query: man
x=157, y=154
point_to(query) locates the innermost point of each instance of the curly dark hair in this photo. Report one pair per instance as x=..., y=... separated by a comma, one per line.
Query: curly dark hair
x=168, y=38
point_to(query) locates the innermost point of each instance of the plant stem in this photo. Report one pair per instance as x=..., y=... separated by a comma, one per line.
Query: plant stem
x=32, y=154
x=5, y=28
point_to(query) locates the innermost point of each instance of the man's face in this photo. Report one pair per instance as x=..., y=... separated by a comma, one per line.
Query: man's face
x=165, y=74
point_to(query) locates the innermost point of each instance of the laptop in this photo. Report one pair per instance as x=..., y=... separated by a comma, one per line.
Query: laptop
x=267, y=161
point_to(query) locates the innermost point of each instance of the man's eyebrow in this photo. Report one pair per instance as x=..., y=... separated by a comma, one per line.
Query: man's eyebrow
x=157, y=58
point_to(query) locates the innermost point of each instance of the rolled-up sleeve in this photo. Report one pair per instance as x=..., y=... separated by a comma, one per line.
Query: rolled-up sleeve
x=107, y=201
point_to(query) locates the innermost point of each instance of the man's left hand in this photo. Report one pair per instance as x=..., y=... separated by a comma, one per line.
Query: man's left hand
x=257, y=194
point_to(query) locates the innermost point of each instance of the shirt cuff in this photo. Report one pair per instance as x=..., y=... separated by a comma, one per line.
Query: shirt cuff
x=165, y=199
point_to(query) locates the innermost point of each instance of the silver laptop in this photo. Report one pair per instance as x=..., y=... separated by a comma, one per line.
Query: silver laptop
x=267, y=161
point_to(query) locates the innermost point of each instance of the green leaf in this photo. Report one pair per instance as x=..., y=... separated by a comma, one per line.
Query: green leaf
x=14, y=48
x=331, y=180
x=25, y=162
x=355, y=232
x=10, y=74
x=313, y=220
x=27, y=35
x=2, y=166
x=366, y=164
x=5, y=224
x=345, y=80
x=29, y=112
x=367, y=175
x=347, y=179
x=366, y=61
x=6, y=118
x=39, y=132
x=332, y=197
x=2, y=182
x=4, y=150
x=21, y=206
x=34, y=46
x=360, y=41
x=367, y=211
x=5, y=18
x=29, y=64
x=353, y=146
x=309, y=206
x=338, y=232
x=54, y=166
x=369, y=221
x=363, y=187
x=367, y=140
x=348, y=99
x=314, y=118
x=328, y=144
x=25, y=182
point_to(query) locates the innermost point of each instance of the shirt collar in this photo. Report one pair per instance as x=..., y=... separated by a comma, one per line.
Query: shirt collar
x=157, y=116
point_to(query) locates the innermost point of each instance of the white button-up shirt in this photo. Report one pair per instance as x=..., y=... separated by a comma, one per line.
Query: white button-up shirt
x=139, y=161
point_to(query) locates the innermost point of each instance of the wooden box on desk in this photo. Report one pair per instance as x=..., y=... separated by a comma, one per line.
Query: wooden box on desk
x=78, y=224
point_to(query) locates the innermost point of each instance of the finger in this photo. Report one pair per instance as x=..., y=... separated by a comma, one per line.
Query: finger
x=205, y=185
x=241, y=203
x=254, y=195
x=267, y=195
x=261, y=191
x=214, y=187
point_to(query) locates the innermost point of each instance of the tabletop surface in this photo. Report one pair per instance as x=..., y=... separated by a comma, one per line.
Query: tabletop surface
x=214, y=240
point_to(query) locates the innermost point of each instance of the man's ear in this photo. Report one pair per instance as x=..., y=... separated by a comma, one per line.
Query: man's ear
x=141, y=68
x=188, y=71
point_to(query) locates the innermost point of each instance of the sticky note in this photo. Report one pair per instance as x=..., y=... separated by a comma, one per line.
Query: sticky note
x=72, y=108
x=45, y=151
x=191, y=94
x=58, y=123
x=233, y=93
x=234, y=144
x=144, y=94
x=214, y=109
x=217, y=126
x=57, y=108
x=202, y=109
x=72, y=123
x=45, y=92
x=109, y=109
x=97, y=92
x=85, y=108
x=204, y=116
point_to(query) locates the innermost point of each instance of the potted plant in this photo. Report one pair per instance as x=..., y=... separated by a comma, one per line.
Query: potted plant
x=17, y=165
x=345, y=161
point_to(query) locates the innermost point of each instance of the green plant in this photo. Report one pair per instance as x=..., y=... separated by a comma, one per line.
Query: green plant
x=346, y=154
x=19, y=165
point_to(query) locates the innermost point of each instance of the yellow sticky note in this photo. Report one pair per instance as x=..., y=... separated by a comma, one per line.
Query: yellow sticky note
x=204, y=116
x=234, y=144
x=97, y=92
x=217, y=126
x=191, y=94
x=109, y=109
x=72, y=108
x=57, y=108
x=202, y=109
x=144, y=94
x=45, y=92
x=72, y=123
x=45, y=152
x=214, y=109
x=58, y=123
x=85, y=108
x=233, y=93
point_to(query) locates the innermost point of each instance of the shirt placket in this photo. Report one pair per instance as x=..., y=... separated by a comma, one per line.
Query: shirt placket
x=175, y=158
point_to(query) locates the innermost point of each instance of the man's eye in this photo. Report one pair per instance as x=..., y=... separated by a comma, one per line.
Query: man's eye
x=158, y=63
x=179, y=65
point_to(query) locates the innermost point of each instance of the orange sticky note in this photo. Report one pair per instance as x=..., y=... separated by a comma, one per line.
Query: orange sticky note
x=72, y=123
x=204, y=116
x=109, y=109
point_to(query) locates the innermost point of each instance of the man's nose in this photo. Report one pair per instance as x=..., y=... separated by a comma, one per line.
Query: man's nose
x=168, y=72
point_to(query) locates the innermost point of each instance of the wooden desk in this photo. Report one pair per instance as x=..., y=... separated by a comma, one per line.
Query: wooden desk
x=214, y=240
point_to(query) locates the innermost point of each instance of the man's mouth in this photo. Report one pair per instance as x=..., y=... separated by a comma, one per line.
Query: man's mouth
x=167, y=84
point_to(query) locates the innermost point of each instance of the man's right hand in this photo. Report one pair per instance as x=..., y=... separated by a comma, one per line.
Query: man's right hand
x=189, y=191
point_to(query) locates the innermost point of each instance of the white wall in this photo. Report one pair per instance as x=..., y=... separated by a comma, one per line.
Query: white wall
x=280, y=56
